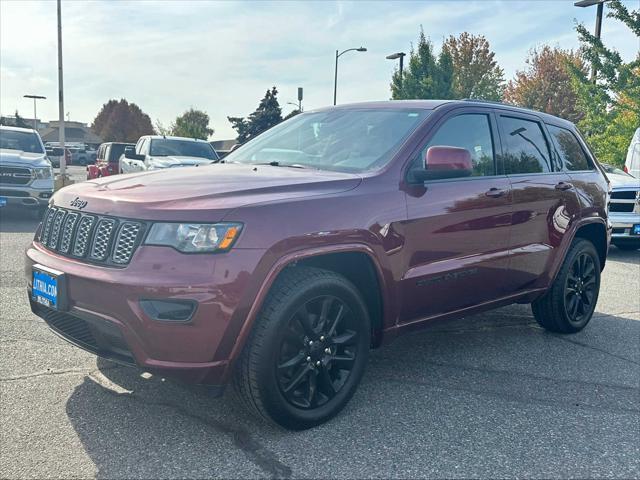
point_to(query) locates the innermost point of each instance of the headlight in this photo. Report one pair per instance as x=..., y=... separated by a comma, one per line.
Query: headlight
x=194, y=237
x=42, y=173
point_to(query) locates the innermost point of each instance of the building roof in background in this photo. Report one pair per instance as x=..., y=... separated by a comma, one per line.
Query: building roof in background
x=74, y=132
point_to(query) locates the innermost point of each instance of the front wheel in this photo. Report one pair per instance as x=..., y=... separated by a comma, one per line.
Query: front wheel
x=569, y=303
x=307, y=351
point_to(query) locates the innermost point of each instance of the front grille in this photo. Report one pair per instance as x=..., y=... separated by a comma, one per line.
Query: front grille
x=15, y=175
x=624, y=201
x=97, y=239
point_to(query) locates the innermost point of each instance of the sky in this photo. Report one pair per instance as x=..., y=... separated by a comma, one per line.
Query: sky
x=168, y=56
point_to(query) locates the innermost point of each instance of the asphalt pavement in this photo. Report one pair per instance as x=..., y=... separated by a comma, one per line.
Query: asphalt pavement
x=488, y=396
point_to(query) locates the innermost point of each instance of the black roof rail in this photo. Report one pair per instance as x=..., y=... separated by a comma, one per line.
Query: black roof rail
x=479, y=100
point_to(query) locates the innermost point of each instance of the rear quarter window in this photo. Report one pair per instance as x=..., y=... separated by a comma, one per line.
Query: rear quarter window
x=569, y=150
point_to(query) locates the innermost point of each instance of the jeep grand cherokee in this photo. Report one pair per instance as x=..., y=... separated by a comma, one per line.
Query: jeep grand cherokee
x=329, y=234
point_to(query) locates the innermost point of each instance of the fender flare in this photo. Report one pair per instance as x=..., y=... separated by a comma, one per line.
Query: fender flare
x=570, y=237
x=291, y=258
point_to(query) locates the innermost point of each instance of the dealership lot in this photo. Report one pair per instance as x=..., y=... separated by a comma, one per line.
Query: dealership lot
x=491, y=394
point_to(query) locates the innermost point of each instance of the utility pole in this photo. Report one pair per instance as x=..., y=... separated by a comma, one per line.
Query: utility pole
x=599, y=14
x=63, y=160
x=35, y=116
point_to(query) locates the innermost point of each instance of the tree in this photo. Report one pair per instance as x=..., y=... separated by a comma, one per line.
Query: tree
x=192, y=124
x=476, y=73
x=425, y=76
x=546, y=85
x=16, y=121
x=121, y=121
x=611, y=104
x=266, y=116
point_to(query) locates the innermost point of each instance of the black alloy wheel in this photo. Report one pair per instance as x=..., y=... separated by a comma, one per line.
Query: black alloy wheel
x=317, y=353
x=580, y=288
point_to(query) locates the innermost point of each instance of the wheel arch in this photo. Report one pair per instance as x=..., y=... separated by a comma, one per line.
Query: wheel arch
x=323, y=257
x=596, y=233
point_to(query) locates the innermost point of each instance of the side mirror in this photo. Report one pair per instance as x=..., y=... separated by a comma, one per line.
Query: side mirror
x=130, y=153
x=442, y=162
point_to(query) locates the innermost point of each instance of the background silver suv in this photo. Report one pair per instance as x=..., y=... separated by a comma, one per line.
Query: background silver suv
x=26, y=176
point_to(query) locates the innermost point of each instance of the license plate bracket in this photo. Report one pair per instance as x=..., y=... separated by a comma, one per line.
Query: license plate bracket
x=635, y=230
x=49, y=287
x=3, y=202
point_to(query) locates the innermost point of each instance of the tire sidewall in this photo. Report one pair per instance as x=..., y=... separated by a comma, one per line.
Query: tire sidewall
x=273, y=400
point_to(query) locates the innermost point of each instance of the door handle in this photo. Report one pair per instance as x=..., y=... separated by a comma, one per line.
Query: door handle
x=563, y=186
x=495, y=192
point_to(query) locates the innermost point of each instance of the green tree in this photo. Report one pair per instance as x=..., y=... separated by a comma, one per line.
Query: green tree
x=266, y=116
x=192, y=124
x=476, y=73
x=611, y=104
x=121, y=121
x=546, y=84
x=425, y=76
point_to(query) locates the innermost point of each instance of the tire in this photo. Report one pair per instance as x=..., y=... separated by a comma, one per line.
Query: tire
x=568, y=305
x=301, y=365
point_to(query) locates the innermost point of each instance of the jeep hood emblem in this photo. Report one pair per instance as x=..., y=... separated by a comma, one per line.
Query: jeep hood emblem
x=79, y=204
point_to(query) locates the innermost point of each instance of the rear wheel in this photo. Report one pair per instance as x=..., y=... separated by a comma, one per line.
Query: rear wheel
x=569, y=303
x=308, y=349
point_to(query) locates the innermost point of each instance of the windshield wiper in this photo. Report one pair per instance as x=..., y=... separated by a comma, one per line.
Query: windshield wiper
x=275, y=163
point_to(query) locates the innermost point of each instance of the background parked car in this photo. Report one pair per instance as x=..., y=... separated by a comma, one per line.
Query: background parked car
x=624, y=208
x=107, y=160
x=153, y=152
x=26, y=176
x=632, y=164
x=54, y=154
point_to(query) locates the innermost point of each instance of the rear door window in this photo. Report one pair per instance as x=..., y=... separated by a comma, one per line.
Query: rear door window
x=525, y=146
x=569, y=150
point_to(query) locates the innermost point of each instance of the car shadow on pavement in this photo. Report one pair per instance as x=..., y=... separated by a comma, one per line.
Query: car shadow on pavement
x=630, y=256
x=486, y=389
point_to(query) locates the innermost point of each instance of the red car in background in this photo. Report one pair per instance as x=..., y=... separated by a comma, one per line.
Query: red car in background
x=107, y=160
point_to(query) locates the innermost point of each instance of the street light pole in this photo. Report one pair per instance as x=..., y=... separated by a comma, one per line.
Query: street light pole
x=35, y=116
x=335, y=78
x=63, y=160
x=395, y=56
x=599, y=14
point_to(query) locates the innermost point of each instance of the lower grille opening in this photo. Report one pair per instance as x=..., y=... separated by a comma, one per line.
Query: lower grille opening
x=97, y=336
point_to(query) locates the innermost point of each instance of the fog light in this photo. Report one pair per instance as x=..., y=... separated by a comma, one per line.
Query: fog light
x=45, y=194
x=169, y=310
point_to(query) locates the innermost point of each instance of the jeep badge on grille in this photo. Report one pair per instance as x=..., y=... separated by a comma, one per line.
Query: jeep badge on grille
x=79, y=204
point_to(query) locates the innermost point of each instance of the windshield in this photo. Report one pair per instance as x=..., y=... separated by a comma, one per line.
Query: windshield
x=23, y=141
x=341, y=140
x=164, y=147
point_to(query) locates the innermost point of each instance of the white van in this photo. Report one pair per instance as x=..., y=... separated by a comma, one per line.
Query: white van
x=632, y=164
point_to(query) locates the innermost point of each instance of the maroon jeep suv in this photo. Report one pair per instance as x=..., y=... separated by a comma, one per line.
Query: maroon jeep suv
x=328, y=235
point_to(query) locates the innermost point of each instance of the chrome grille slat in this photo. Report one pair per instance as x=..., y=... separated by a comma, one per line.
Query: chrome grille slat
x=102, y=239
x=55, y=229
x=95, y=238
x=67, y=232
x=125, y=242
x=83, y=235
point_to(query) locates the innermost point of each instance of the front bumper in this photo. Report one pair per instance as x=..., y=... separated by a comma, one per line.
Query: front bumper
x=105, y=316
x=26, y=195
x=623, y=226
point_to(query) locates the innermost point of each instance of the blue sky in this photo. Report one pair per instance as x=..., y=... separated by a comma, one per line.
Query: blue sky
x=168, y=56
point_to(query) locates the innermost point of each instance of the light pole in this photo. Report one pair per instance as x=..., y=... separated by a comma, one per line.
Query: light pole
x=599, y=12
x=335, y=79
x=63, y=160
x=395, y=56
x=35, y=97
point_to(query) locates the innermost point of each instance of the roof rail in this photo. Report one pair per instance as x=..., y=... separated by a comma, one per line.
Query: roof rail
x=479, y=100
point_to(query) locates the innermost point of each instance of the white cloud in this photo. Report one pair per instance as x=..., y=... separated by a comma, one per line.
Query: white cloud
x=221, y=56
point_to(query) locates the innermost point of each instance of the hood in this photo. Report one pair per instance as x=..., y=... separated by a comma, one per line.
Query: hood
x=200, y=193
x=23, y=159
x=177, y=161
x=623, y=181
